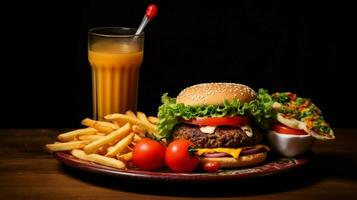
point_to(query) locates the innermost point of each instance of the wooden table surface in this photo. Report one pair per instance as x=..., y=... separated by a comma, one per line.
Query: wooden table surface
x=27, y=171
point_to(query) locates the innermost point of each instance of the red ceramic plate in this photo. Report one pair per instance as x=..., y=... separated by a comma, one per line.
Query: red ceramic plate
x=271, y=167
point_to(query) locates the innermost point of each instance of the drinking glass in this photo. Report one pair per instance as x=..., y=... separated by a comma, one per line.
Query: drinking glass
x=115, y=55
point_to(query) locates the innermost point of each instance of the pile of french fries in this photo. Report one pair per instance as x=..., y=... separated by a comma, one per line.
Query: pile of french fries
x=108, y=143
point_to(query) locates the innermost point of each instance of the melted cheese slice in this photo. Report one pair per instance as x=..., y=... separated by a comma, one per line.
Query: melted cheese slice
x=234, y=152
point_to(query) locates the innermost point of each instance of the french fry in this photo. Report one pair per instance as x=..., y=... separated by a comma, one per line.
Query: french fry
x=125, y=157
x=65, y=137
x=120, y=146
x=89, y=137
x=110, y=148
x=105, y=127
x=117, y=134
x=153, y=120
x=119, y=118
x=112, y=143
x=142, y=117
x=130, y=113
x=139, y=130
x=107, y=143
x=110, y=162
x=137, y=138
x=103, y=149
x=66, y=146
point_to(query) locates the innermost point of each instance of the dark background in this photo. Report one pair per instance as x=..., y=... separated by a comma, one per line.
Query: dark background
x=278, y=45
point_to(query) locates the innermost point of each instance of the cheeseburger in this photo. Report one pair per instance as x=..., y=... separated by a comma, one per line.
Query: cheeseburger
x=213, y=116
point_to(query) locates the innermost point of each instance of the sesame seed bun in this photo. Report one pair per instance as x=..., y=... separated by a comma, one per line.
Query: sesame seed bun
x=215, y=94
x=242, y=161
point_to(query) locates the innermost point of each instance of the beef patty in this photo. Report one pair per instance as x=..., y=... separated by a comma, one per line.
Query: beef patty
x=223, y=136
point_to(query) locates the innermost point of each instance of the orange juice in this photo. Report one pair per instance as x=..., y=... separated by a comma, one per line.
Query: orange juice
x=115, y=74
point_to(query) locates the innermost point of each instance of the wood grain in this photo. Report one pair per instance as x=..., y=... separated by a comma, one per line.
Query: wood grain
x=27, y=171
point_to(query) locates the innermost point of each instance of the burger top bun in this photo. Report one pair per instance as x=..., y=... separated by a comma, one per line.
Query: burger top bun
x=215, y=94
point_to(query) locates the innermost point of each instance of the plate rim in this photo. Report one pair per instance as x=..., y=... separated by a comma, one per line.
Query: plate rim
x=69, y=160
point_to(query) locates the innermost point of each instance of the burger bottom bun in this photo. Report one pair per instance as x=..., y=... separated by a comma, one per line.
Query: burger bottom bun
x=243, y=161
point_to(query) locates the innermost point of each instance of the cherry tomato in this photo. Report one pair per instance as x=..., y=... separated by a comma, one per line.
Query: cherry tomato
x=151, y=11
x=211, y=167
x=149, y=154
x=217, y=121
x=178, y=157
x=280, y=128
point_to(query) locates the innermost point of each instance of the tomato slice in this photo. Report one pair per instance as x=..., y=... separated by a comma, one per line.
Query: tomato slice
x=280, y=128
x=217, y=121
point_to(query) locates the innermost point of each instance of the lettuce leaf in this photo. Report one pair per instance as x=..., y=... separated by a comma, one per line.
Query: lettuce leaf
x=170, y=111
x=260, y=110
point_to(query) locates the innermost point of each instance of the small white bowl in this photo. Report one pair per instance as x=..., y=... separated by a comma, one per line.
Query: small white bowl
x=290, y=145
